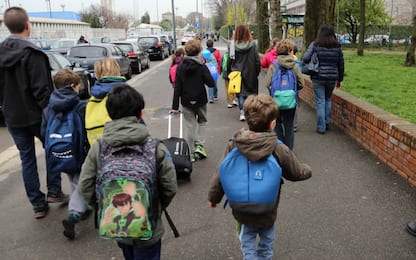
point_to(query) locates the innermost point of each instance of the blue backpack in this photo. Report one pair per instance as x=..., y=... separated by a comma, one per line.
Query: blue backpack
x=251, y=187
x=213, y=70
x=65, y=141
x=284, y=87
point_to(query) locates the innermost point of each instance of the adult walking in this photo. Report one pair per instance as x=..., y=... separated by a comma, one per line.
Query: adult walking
x=25, y=87
x=330, y=75
x=246, y=60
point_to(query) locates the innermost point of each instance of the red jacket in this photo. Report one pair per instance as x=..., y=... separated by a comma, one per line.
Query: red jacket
x=269, y=58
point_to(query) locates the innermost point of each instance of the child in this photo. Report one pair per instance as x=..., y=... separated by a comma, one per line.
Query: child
x=257, y=143
x=191, y=77
x=271, y=55
x=216, y=53
x=284, y=126
x=65, y=98
x=176, y=59
x=125, y=107
x=231, y=98
x=299, y=63
x=211, y=63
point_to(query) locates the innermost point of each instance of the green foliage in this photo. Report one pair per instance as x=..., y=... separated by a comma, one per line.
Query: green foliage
x=236, y=15
x=145, y=18
x=387, y=83
x=166, y=25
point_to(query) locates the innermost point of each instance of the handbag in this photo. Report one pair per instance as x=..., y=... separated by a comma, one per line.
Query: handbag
x=313, y=66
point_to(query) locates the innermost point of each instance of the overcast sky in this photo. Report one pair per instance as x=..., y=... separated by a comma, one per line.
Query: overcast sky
x=133, y=7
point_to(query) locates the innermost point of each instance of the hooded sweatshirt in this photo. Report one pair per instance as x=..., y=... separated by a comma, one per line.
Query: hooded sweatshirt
x=269, y=58
x=288, y=62
x=247, y=61
x=25, y=82
x=258, y=146
x=191, y=77
x=129, y=131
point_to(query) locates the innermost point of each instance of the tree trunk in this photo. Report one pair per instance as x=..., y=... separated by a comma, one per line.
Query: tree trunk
x=317, y=12
x=262, y=17
x=410, y=55
x=276, y=19
x=360, y=49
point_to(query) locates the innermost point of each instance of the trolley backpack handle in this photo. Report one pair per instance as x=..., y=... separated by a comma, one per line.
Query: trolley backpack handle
x=180, y=125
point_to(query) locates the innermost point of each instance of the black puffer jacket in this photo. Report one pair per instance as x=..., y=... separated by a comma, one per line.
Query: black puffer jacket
x=25, y=82
x=191, y=77
x=331, y=62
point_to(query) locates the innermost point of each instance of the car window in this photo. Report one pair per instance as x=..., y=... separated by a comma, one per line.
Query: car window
x=119, y=51
x=64, y=44
x=125, y=47
x=64, y=62
x=53, y=63
x=147, y=40
x=88, y=52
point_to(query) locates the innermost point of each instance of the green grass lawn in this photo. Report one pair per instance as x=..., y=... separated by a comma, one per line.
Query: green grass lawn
x=382, y=80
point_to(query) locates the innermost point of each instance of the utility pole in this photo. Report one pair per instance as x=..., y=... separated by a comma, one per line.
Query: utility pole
x=174, y=24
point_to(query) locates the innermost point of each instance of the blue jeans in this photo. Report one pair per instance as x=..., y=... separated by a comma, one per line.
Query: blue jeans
x=24, y=138
x=264, y=249
x=213, y=93
x=241, y=100
x=139, y=253
x=284, y=127
x=323, y=92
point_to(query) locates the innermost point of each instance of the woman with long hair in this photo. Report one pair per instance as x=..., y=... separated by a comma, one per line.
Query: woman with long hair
x=247, y=61
x=330, y=75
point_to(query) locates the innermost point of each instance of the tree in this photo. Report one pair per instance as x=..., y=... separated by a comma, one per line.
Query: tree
x=94, y=13
x=166, y=25
x=262, y=17
x=276, y=19
x=317, y=12
x=375, y=15
x=360, y=49
x=410, y=55
x=145, y=18
x=237, y=15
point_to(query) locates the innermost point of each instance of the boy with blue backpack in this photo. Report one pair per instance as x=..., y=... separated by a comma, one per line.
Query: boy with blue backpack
x=66, y=142
x=284, y=79
x=250, y=176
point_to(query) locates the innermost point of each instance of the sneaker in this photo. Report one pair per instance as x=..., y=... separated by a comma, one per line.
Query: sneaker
x=69, y=227
x=242, y=117
x=211, y=101
x=215, y=98
x=235, y=103
x=229, y=106
x=200, y=150
x=57, y=197
x=41, y=210
x=194, y=157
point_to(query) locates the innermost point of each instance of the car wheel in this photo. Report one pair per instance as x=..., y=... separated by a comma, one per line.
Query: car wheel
x=129, y=72
x=148, y=63
x=162, y=55
x=139, y=68
x=87, y=91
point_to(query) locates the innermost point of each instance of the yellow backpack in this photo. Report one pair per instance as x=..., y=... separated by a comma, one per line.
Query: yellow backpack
x=234, y=86
x=96, y=116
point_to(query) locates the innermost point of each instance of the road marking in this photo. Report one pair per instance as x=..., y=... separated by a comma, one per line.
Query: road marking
x=145, y=72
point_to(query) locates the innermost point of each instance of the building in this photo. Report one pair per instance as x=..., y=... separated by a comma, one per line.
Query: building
x=294, y=6
x=65, y=15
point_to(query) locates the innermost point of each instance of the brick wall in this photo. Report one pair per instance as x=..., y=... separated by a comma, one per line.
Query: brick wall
x=390, y=138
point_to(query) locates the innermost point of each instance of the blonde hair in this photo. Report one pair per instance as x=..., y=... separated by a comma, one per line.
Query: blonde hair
x=284, y=47
x=260, y=110
x=106, y=67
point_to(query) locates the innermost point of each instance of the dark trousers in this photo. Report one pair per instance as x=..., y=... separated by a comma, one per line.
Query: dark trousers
x=284, y=127
x=141, y=253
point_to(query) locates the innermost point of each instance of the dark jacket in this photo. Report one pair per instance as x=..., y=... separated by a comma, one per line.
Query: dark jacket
x=258, y=146
x=331, y=62
x=191, y=77
x=247, y=61
x=25, y=82
x=128, y=131
x=64, y=100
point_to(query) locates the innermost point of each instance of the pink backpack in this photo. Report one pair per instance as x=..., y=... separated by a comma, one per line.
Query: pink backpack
x=172, y=74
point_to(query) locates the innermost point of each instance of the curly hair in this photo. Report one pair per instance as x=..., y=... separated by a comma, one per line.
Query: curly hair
x=259, y=111
x=242, y=34
x=284, y=47
x=193, y=47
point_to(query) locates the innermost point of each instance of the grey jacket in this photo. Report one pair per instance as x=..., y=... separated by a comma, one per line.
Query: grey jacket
x=127, y=131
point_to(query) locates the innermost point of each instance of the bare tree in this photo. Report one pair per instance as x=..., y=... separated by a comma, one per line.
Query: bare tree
x=262, y=18
x=360, y=49
x=410, y=55
x=276, y=19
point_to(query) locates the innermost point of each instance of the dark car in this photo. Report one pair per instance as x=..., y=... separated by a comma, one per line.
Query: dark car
x=155, y=45
x=88, y=54
x=59, y=61
x=139, y=59
x=41, y=43
x=63, y=45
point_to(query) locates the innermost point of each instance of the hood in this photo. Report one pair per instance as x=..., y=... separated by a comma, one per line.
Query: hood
x=178, y=59
x=105, y=84
x=286, y=61
x=63, y=99
x=192, y=63
x=255, y=146
x=13, y=49
x=125, y=131
x=243, y=46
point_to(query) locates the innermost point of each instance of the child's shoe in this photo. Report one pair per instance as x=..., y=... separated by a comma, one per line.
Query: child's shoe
x=194, y=157
x=57, y=197
x=200, y=150
x=69, y=225
x=235, y=103
x=242, y=117
x=229, y=105
x=41, y=210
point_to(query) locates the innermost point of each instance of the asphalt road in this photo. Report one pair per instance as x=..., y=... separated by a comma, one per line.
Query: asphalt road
x=352, y=208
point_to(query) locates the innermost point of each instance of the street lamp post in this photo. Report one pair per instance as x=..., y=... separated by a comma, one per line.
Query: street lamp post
x=174, y=24
x=48, y=3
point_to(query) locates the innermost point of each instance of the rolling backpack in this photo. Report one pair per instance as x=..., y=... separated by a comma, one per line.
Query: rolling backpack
x=251, y=187
x=126, y=191
x=65, y=141
x=284, y=87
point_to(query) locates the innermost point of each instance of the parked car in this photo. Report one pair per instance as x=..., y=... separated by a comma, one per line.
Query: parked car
x=139, y=59
x=41, y=43
x=169, y=41
x=155, y=46
x=63, y=45
x=87, y=54
x=186, y=37
x=377, y=39
x=59, y=61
